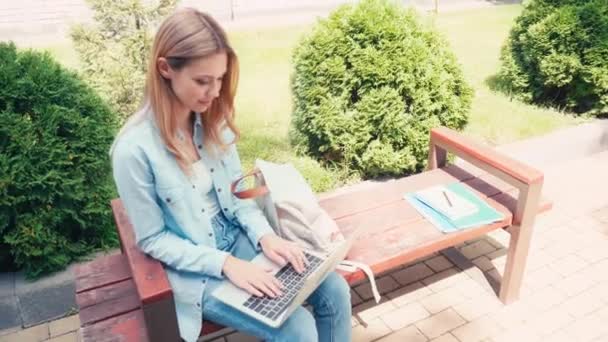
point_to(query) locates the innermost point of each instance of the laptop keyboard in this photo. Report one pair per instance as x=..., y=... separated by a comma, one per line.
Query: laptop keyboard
x=292, y=282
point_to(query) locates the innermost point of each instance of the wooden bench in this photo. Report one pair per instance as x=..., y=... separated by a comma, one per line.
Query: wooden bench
x=127, y=296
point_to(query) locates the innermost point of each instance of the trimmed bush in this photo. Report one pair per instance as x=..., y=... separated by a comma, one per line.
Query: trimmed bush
x=369, y=84
x=557, y=54
x=55, y=179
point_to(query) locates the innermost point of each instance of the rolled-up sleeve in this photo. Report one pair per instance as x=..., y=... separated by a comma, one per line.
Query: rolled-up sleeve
x=135, y=184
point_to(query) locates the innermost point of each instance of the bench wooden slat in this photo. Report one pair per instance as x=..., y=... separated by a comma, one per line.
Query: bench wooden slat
x=384, y=193
x=126, y=327
x=408, y=242
x=104, y=302
x=148, y=274
x=108, y=269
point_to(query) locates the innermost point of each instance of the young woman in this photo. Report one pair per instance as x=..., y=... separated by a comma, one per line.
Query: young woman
x=173, y=164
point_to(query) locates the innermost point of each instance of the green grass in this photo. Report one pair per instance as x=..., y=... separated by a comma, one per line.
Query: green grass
x=476, y=37
x=264, y=99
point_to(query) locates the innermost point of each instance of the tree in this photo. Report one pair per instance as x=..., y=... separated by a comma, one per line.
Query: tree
x=114, y=50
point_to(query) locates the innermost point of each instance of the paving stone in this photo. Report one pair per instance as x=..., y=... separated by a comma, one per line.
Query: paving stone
x=369, y=310
x=440, y=323
x=10, y=315
x=477, y=249
x=574, y=284
x=439, y=263
x=514, y=315
x=444, y=279
x=404, y=316
x=70, y=337
x=442, y=300
x=385, y=284
x=583, y=304
x=44, y=304
x=568, y=265
x=477, y=307
x=593, y=254
x=34, y=334
x=559, y=336
x=483, y=263
x=355, y=299
x=541, y=278
x=7, y=284
x=445, y=338
x=374, y=330
x=550, y=322
x=522, y=333
x=546, y=299
x=64, y=325
x=409, y=334
x=498, y=238
x=477, y=330
x=23, y=285
x=409, y=294
x=587, y=328
x=412, y=274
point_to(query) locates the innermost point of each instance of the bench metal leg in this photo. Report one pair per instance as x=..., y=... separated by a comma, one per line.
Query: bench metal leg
x=519, y=244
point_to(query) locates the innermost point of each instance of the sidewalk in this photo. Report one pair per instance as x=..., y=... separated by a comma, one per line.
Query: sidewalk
x=448, y=297
x=36, y=23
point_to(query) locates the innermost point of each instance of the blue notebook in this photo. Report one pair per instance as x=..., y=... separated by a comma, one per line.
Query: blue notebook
x=485, y=214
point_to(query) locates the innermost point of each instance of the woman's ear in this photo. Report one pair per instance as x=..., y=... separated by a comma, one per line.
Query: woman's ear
x=164, y=68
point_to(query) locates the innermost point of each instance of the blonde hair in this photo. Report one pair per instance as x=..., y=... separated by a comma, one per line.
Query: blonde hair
x=185, y=35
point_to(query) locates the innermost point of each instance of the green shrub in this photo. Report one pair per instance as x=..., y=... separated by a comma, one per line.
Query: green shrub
x=557, y=54
x=55, y=183
x=369, y=83
x=114, y=51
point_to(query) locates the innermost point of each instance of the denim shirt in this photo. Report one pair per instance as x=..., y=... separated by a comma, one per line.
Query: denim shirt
x=168, y=214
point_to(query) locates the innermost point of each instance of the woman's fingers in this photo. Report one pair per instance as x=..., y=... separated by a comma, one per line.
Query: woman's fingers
x=293, y=258
x=277, y=258
x=267, y=286
x=252, y=290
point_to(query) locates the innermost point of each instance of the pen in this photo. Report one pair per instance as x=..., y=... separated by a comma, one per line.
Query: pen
x=447, y=198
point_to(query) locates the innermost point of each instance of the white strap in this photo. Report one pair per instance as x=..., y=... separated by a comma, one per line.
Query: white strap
x=352, y=266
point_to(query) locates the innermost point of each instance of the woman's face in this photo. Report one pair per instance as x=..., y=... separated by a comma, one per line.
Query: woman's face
x=199, y=82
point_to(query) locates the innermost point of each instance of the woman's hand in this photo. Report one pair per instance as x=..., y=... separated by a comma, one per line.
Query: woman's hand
x=282, y=251
x=252, y=278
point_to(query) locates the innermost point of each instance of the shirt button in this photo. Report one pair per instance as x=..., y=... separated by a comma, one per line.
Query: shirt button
x=211, y=170
x=225, y=209
x=219, y=190
x=200, y=146
x=204, y=281
x=198, y=305
x=203, y=210
x=210, y=234
x=193, y=186
x=168, y=200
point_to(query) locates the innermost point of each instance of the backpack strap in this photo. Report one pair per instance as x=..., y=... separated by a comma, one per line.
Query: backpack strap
x=352, y=266
x=249, y=193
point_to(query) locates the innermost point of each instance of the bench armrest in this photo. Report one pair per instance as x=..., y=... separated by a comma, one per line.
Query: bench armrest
x=526, y=179
x=443, y=138
x=148, y=274
x=150, y=280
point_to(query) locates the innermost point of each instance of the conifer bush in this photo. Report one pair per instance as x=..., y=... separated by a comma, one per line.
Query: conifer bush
x=557, y=55
x=55, y=179
x=369, y=83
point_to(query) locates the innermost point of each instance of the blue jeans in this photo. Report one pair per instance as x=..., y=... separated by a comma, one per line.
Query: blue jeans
x=330, y=319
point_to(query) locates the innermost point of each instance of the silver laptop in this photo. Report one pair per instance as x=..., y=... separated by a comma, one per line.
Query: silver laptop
x=297, y=287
